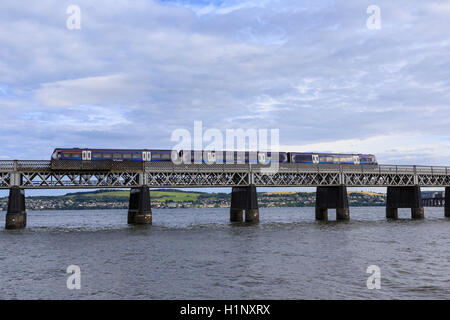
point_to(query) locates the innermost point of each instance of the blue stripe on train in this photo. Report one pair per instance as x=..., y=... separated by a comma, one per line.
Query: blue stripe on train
x=203, y=161
x=225, y=161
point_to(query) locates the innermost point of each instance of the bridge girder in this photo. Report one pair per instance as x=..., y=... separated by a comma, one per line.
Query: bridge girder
x=39, y=175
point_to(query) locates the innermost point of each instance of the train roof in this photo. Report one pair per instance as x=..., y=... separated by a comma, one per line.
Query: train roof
x=109, y=150
x=167, y=150
x=334, y=154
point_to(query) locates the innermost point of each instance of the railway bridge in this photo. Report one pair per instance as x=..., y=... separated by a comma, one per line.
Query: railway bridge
x=403, y=184
x=434, y=201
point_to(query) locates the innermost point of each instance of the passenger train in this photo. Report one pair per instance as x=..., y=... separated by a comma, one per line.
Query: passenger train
x=210, y=157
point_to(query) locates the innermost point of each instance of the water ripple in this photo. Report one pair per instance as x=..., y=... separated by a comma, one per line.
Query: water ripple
x=199, y=254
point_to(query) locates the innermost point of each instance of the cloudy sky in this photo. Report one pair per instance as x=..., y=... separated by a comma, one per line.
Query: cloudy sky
x=137, y=70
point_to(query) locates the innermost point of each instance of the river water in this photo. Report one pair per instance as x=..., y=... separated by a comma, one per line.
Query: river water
x=198, y=254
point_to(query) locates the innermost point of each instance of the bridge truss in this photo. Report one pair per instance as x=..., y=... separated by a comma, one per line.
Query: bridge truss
x=30, y=174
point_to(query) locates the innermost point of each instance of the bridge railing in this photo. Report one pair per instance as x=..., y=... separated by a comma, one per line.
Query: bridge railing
x=19, y=165
x=6, y=165
x=43, y=165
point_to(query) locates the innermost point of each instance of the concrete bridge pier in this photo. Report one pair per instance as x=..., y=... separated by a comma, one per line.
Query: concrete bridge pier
x=334, y=197
x=447, y=202
x=404, y=197
x=139, y=209
x=244, y=199
x=16, y=216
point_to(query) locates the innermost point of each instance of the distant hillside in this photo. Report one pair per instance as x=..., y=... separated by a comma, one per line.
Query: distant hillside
x=123, y=195
x=171, y=198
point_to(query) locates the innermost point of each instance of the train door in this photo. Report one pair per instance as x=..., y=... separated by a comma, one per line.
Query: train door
x=210, y=157
x=315, y=158
x=86, y=155
x=262, y=158
x=356, y=159
x=240, y=157
x=374, y=160
x=176, y=157
x=186, y=156
x=146, y=156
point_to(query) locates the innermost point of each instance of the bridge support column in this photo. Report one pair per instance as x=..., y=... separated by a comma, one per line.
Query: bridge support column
x=404, y=197
x=139, y=210
x=16, y=216
x=332, y=198
x=447, y=202
x=244, y=198
x=391, y=213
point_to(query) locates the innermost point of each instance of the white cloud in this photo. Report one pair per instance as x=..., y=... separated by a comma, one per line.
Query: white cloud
x=442, y=7
x=224, y=7
x=90, y=90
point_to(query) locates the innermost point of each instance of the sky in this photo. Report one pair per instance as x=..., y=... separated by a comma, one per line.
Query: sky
x=135, y=71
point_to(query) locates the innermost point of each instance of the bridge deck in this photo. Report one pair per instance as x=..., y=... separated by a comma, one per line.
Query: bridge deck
x=32, y=174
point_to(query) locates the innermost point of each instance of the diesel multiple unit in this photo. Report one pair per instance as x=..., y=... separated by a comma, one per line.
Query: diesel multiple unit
x=210, y=157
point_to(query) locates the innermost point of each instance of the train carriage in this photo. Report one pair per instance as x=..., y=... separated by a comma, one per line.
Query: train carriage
x=332, y=158
x=208, y=156
x=112, y=154
x=231, y=157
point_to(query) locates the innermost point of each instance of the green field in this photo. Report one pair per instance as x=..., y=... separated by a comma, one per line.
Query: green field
x=156, y=196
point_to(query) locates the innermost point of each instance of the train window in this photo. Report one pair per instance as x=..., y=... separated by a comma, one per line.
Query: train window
x=197, y=157
x=220, y=157
x=96, y=155
x=240, y=157
x=165, y=156
x=347, y=159
x=127, y=155
x=303, y=157
x=156, y=156
x=137, y=155
x=107, y=156
x=75, y=155
x=229, y=156
x=117, y=156
x=278, y=156
x=326, y=159
x=251, y=156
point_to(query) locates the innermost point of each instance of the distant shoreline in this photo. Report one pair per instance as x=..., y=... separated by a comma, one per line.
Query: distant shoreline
x=170, y=208
x=171, y=199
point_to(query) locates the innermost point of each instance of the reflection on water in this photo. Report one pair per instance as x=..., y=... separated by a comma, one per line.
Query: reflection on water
x=198, y=254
